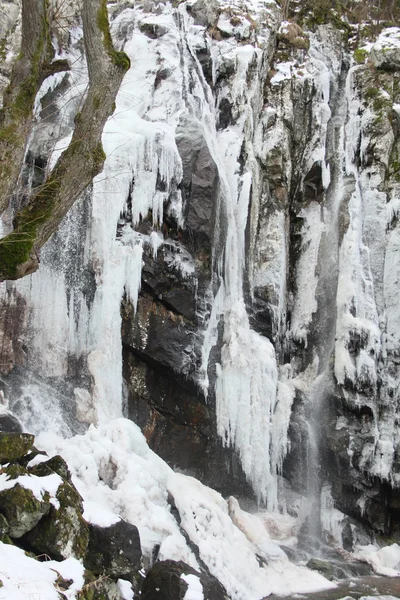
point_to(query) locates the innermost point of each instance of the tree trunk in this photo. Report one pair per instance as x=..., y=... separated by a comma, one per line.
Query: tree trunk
x=81, y=161
x=29, y=72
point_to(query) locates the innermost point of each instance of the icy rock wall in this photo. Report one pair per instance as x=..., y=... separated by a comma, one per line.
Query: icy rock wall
x=341, y=201
x=176, y=188
x=246, y=218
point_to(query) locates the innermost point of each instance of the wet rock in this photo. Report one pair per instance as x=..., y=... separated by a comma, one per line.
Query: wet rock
x=327, y=569
x=179, y=425
x=22, y=509
x=165, y=582
x=9, y=423
x=14, y=445
x=200, y=176
x=114, y=551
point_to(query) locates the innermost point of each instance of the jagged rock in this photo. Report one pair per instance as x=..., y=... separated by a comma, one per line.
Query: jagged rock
x=55, y=464
x=22, y=509
x=14, y=445
x=385, y=54
x=164, y=582
x=114, y=551
x=63, y=532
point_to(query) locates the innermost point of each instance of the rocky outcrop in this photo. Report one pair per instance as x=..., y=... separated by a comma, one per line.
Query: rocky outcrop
x=170, y=580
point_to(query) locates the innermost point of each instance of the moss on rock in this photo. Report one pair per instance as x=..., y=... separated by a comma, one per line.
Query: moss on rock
x=14, y=445
x=22, y=509
x=56, y=464
x=63, y=532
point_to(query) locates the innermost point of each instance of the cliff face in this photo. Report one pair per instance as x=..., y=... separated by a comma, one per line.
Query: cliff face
x=229, y=281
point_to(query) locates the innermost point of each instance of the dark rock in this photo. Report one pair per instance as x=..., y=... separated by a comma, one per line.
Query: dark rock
x=114, y=551
x=179, y=425
x=14, y=445
x=153, y=30
x=225, y=113
x=164, y=582
x=56, y=464
x=22, y=510
x=63, y=532
x=327, y=569
x=9, y=423
x=200, y=177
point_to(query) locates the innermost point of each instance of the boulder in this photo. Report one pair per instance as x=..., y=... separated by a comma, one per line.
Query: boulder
x=168, y=580
x=14, y=446
x=56, y=464
x=114, y=551
x=385, y=53
x=63, y=532
x=326, y=568
x=22, y=509
x=9, y=423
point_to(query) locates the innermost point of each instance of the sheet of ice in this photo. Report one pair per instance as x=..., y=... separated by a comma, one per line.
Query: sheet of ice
x=332, y=519
x=305, y=302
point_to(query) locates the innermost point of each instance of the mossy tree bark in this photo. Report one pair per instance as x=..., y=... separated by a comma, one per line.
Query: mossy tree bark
x=32, y=67
x=81, y=161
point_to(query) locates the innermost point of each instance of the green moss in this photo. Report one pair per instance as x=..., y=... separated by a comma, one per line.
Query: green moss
x=96, y=102
x=5, y=539
x=99, y=155
x=15, y=470
x=78, y=118
x=120, y=59
x=62, y=530
x=21, y=509
x=14, y=445
x=394, y=164
x=360, y=55
x=93, y=589
x=17, y=246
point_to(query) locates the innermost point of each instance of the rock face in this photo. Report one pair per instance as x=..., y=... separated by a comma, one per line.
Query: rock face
x=242, y=246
